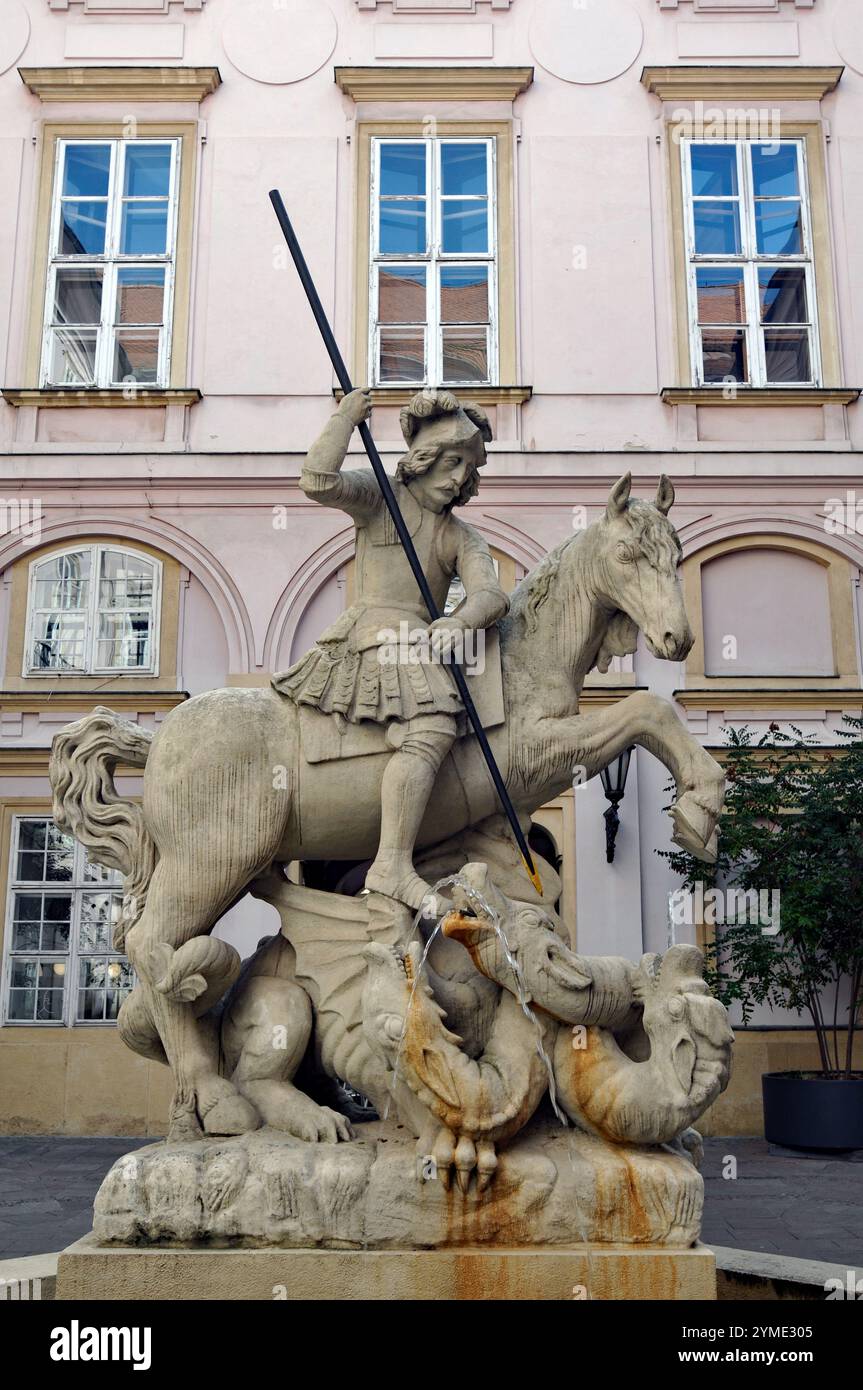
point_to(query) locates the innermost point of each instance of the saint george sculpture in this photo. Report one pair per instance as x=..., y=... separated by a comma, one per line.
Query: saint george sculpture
x=526, y=1094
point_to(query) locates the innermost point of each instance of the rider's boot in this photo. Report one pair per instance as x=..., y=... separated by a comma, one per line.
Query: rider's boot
x=405, y=791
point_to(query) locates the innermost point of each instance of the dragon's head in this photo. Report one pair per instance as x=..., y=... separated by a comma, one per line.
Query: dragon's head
x=683, y=1022
x=394, y=996
x=498, y=931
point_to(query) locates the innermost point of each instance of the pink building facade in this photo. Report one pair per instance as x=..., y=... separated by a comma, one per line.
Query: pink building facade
x=629, y=229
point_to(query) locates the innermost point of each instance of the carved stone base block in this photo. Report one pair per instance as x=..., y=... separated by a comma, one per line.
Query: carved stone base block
x=605, y=1272
x=553, y=1187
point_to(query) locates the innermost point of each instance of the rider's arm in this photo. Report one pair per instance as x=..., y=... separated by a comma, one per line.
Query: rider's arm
x=322, y=479
x=484, y=602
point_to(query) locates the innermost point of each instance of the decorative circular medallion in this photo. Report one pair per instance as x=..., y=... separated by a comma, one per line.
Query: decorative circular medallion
x=585, y=41
x=848, y=34
x=14, y=33
x=279, y=41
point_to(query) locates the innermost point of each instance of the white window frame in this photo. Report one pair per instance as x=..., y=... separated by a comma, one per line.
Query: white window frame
x=111, y=261
x=433, y=258
x=751, y=260
x=76, y=887
x=96, y=549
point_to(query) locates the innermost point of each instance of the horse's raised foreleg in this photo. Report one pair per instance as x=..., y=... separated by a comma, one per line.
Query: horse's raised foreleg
x=593, y=740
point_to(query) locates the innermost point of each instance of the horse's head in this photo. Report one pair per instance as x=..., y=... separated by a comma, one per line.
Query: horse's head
x=637, y=566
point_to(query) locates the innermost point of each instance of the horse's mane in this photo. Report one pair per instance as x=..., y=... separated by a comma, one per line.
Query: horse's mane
x=534, y=589
x=655, y=536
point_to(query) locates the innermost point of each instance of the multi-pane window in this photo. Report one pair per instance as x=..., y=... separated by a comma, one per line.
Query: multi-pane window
x=93, y=609
x=60, y=967
x=110, y=279
x=432, y=289
x=752, y=306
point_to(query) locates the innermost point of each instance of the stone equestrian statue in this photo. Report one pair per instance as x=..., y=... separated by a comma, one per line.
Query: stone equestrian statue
x=352, y=756
x=347, y=672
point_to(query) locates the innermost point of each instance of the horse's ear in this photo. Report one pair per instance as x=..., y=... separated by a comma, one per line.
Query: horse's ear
x=619, y=496
x=665, y=495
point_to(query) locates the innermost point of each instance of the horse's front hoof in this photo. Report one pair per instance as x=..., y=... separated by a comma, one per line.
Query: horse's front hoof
x=711, y=849
x=706, y=853
x=694, y=829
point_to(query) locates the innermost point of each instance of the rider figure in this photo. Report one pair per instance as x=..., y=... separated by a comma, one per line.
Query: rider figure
x=347, y=672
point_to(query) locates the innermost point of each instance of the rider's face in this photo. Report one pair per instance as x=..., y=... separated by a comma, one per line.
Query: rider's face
x=440, y=486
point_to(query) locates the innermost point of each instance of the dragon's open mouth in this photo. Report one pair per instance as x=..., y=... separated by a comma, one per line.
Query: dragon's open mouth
x=463, y=924
x=467, y=904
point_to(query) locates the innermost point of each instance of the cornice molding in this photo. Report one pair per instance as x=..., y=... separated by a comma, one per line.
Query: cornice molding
x=115, y=7
x=740, y=83
x=121, y=83
x=726, y=7
x=433, y=83
x=51, y=397
x=601, y=696
x=482, y=395
x=53, y=697
x=818, y=753
x=33, y=762
x=433, y=7
x=760, y=395
x=741, y=698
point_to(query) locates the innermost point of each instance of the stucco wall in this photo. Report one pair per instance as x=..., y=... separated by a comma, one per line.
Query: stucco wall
x=596, y=303
x=84, y=1081
x=78, y=1081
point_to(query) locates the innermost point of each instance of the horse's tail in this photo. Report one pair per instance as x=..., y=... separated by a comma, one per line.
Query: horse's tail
x=84, y=757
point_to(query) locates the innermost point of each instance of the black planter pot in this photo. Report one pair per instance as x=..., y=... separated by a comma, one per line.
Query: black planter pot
x=805, y=1110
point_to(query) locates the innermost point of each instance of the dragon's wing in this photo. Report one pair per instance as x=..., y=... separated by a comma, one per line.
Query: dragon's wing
x=329, y=933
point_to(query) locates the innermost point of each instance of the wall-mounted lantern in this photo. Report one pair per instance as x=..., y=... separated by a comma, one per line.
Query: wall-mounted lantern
x=613, y=780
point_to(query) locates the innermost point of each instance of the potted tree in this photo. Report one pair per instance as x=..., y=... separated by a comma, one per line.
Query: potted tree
x=792, y=833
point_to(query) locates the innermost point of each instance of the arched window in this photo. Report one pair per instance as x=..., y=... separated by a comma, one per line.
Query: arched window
x=91, y=609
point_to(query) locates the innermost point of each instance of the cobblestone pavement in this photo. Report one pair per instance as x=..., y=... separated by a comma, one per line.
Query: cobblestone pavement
x=47, y=1186
x=811, y=1208
x=808, y=1207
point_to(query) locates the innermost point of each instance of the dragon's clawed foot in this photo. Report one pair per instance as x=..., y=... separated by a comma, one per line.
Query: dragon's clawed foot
x=445, y=1154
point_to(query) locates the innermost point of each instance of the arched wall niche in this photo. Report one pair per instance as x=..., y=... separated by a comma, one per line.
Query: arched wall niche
x=737, y=579
x=766, y=612
x=324, y=585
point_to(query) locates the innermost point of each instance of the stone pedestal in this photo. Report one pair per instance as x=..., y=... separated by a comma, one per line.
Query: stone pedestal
x=553, y=1188
x=617, y=1272
x=265, y=1216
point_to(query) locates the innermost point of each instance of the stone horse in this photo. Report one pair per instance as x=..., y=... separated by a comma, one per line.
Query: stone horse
x=229, y=792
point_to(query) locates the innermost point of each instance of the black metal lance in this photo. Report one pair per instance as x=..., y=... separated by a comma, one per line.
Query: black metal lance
x=402, y=532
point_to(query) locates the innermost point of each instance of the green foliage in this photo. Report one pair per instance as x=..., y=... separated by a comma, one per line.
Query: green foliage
x=794, y=822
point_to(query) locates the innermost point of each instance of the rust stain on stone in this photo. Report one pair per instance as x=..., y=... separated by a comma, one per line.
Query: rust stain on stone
x=641, y=1228
x=496, y=1217
x=465, y=930
x=592, y=1085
